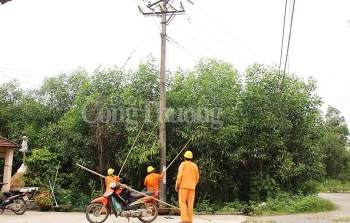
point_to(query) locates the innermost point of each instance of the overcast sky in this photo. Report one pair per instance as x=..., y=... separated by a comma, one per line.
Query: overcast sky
x=42, y=38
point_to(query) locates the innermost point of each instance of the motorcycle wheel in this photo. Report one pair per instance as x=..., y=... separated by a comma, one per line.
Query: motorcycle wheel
x=154, y=208
x=21, y=206
x=97, y=213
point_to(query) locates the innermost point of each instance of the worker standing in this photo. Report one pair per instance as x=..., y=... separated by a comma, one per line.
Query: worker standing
x=186, y=181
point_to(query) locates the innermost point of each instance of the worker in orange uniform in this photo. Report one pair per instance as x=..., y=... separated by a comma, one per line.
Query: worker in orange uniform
x=152, y=179
x=186, y=181
x=110, y=178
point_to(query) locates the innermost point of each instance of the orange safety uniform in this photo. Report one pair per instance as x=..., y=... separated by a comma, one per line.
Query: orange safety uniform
x=152, y=181
x=187, y=179
x=109, y=179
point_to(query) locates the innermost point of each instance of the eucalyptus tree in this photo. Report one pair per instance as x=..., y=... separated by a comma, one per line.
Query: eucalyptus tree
x=58, y=92
x=251, y=134
x=101, y=125
x=336, y=145
x=281, y=127
x=21, y=114
x=202, y=106
x=10, y=95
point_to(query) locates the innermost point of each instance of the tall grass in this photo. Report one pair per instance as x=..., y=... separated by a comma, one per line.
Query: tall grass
x=335, y=186
x=285, y=203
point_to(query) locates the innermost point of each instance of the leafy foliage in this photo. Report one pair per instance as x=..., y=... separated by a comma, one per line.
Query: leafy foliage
x=335, y=145
x=38, y=165
x=285, y=203
x=253, y=134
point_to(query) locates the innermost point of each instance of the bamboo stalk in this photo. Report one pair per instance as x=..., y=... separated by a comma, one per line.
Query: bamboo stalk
x=178, y=154
x=131, y=148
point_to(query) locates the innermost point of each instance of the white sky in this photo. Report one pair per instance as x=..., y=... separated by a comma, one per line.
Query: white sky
x=41, y=38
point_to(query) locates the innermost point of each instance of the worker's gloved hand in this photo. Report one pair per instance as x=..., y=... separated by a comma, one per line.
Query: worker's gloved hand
x=177, y=188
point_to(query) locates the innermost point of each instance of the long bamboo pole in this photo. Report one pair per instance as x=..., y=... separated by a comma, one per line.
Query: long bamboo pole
x=178, y=154
x=133, y=190
x=180, y=151
x=131, y=148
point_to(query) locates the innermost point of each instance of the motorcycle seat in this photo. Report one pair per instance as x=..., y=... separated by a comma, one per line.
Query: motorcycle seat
x=137, y=195
x=15, y=191
x=25, y=190
x=7, y=194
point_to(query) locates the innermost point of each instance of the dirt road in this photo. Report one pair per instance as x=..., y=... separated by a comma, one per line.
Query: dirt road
x=341, y=215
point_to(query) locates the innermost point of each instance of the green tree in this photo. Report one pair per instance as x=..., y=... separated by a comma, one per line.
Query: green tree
x=202, y=105
x=58, y=93
x=39, y=165
x=280, y=131
x=252, y=134
x=335, y=144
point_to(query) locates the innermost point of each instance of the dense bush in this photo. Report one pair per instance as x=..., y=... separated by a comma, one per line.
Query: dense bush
x=285, y=203
x=254, y=134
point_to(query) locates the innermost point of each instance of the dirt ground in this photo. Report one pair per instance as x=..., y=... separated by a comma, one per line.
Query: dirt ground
x=78, y=217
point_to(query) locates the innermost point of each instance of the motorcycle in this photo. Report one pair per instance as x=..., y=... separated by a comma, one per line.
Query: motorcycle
x=15, y=200
x=125, y=204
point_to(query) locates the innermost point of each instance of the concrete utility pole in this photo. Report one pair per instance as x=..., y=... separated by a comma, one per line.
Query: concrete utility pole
x=164, y=9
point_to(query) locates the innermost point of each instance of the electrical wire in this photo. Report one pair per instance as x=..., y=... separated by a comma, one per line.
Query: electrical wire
x=142, y=38
x=288, y=44
x=18, y=80
x=4, y=74
x=204, y=45
x=224, y=44
x=284, y=24
x=172, y=41
x=222, y=27
x=290, y=33
x=20, y=74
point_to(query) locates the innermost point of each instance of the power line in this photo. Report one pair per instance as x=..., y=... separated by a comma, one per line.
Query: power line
x=288, y=44
x=284, y=24
x=204, y=45
x=18, y=80
x=290, y=33
x=142, y=38
x=19, y=74
x=224, y=44
x=221, y=26
x=182, y=48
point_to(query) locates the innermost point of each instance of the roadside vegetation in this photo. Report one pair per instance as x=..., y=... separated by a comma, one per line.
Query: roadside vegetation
x=257, y=136
x=335, y=186
x=281, y=203
x=292, y=204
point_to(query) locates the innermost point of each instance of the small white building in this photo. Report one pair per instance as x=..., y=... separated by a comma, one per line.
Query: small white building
x=7, y=148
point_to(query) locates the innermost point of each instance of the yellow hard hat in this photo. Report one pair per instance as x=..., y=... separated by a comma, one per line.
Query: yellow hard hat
x=110, y=171
x=150, y=169
x=188, y=155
